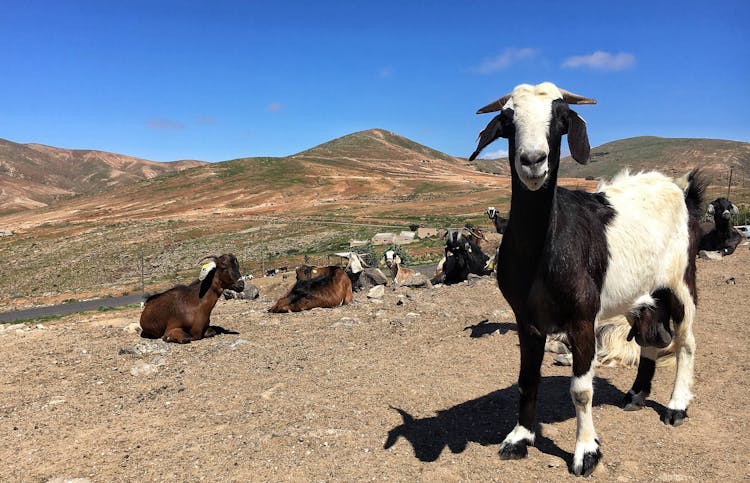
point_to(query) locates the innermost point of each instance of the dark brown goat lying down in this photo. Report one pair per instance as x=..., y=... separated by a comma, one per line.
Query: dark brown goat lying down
x=316, y=287
x=183, y=313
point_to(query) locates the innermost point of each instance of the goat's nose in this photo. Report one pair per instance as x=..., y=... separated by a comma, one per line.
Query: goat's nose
x=529, y=158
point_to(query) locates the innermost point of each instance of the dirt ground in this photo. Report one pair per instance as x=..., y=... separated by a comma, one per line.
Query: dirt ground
x=419, y=386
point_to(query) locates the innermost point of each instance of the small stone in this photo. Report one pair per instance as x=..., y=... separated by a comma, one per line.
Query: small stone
x=132, y=328
x=238, y=343
x=376, y=292
x=143, y=369
x=710, y=255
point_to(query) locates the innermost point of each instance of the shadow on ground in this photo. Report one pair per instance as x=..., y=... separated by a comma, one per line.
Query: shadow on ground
x=485, y=327
x=486, y=420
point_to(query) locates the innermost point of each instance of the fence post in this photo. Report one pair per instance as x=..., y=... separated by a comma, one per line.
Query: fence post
x=143, y=289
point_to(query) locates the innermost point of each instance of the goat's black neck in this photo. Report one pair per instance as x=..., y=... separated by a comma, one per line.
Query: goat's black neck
x=722, y=224
x=532, y=212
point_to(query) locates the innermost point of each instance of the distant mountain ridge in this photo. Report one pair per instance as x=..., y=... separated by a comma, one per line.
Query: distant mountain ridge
x=674, y=156
x=369, y=164
x=33, y=175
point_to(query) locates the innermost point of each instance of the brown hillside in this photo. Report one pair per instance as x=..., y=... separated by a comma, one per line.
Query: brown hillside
x=34, y=175
x=268, y=211
x=670, y=155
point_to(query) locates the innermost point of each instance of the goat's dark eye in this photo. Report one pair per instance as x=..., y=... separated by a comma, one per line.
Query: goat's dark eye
x=507, y=117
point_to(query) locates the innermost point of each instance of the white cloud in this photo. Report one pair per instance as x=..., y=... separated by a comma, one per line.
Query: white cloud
x=509, y=57
x=386, y=72
x=601, y=60
x=500, y=153
x=274, y=107
x=165, y=124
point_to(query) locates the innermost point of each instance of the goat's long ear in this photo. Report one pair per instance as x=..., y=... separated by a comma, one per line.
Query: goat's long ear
x=711, y=209
x=578, y=139
x=206, y=283
x=735, y=210
x=493, y=131
x=206, y=268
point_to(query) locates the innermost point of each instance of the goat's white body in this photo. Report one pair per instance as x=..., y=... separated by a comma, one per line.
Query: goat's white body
x=647, y=240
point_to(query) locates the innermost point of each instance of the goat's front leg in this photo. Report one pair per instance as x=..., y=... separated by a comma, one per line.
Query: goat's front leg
x=515, y=444
x=587, y=454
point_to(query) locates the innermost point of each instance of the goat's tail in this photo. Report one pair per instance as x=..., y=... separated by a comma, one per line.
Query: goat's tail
x=694, y=185
x=613, y=348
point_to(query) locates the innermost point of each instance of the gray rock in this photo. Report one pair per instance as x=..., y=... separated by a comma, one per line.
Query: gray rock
x=376, y=292
x=132, y=328
x=365, y=280
x=238, y=343
x=251, y=292
x=710, y=255
x=142, y=368
x=156, y=347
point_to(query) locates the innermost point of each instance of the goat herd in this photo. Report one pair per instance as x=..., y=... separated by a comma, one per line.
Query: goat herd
x=568, y=259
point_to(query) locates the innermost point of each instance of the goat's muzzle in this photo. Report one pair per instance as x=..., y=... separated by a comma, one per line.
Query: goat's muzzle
x=239, y=286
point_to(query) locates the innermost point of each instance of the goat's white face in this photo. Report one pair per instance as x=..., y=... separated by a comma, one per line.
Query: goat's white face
x=532, y=107
x=391, y=258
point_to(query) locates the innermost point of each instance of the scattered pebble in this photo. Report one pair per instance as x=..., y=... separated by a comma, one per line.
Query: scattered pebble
x=142, y=368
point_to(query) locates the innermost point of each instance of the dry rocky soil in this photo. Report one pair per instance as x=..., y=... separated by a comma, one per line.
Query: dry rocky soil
x=417, y=386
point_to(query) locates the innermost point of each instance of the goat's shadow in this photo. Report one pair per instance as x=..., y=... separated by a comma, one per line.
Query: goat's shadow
x=486, y=420
x=485, y=327
x=221, y=330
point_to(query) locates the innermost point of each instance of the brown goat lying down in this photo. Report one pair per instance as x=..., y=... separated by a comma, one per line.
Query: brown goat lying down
x=316, y=287
x=183, y=313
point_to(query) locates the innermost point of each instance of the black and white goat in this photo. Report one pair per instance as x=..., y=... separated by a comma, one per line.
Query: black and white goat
x=571, y=258
x=462, y=257
x=720, y=235
x=500, y=223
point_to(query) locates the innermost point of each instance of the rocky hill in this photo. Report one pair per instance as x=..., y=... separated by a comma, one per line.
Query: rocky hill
x=34, y=175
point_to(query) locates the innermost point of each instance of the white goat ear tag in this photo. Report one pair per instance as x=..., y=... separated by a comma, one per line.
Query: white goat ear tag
x=206, y=269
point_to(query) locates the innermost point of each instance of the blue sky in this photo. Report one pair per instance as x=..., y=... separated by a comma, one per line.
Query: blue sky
x=217, y=80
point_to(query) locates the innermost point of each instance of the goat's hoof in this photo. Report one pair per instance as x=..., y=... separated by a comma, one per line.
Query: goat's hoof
x=514, y=451
x=633, y=406
x=633, y=402
x=674, y=417
x=588, y=463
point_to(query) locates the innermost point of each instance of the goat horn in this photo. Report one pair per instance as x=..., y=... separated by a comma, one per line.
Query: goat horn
x=495, y=105
x=571, y=98
x=206, y=258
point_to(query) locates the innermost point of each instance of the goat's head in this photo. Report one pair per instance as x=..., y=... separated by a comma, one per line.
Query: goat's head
x=226, y=268
x=491, y=212
x=391, y=258
x=722, y=208
x=457, y=244
x=534, y=119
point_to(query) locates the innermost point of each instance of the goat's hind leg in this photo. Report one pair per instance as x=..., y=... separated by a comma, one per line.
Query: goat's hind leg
x=637, y=395
x=515, y=444
x=685, y=349
x=587, y=453
x=178, y=335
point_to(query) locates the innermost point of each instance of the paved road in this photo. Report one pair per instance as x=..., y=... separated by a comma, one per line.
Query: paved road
x=69, y=308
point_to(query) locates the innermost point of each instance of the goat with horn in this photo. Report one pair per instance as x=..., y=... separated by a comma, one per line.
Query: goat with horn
x=570, y=258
